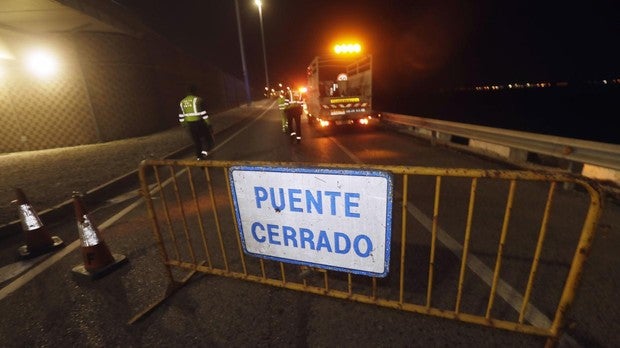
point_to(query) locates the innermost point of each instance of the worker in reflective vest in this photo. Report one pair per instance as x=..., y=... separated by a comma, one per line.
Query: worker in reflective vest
x=293, y=113
x=282, y=105
x=194, y=116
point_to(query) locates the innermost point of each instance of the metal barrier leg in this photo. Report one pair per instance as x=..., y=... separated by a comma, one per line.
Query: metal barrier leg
x=172, y=288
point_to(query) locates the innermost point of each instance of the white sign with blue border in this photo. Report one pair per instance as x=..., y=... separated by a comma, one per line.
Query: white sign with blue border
x=336, y=219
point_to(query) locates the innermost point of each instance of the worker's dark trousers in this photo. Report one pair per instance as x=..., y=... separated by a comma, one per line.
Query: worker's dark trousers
x=202, y=136
x=293, y=114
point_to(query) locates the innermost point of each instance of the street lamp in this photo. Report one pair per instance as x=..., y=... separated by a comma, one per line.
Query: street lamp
x=42, y=63
x=245, y=70
x=262, y=33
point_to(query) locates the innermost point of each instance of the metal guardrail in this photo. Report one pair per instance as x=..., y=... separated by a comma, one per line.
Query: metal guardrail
x=191, y=210
x=576, y=150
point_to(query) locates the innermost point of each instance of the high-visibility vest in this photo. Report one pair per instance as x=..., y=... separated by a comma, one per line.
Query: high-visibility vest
x=192, y=110
x=282, y=103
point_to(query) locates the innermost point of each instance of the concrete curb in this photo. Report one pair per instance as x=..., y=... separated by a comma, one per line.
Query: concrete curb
x=98, y=194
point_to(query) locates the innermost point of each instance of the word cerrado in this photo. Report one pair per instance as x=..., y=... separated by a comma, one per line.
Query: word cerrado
x=333, y=219
x=296, y=200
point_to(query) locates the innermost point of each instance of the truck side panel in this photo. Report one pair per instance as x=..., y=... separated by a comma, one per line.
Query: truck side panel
x=358, y=85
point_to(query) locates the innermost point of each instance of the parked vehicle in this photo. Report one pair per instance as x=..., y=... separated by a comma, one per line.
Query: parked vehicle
x=340, y=91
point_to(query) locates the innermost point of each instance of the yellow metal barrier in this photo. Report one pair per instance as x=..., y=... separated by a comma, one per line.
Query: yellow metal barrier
x=476, y=236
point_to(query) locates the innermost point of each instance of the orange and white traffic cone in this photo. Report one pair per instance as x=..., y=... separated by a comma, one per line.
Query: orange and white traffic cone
x=98, y=260
x=38, y=240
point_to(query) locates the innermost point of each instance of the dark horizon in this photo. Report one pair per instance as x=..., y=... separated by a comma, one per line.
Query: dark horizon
x=421, y=43
x=418, y=47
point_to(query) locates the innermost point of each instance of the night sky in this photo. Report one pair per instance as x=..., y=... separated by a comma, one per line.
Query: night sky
x=424, y=43
x=424, y=46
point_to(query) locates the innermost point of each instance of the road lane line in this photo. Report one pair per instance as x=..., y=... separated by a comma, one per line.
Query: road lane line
x=11, y=270
x=41, y=267
x=504, y=290
x=345, y=150
x=244, y=128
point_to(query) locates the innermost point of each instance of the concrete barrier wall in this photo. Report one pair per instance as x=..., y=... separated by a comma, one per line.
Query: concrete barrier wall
x=108, y=86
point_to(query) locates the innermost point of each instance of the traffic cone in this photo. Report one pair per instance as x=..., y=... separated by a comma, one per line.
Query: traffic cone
x=38, y=240
x=98, y=260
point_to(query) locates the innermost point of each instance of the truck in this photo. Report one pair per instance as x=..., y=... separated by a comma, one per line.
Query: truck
x=339, y=92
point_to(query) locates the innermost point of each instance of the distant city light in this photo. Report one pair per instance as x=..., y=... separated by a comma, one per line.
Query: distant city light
x=42, y=63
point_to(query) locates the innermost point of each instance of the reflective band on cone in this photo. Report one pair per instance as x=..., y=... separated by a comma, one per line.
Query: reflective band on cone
x=29, y=219
x=95, y=253
x=38, y=240
x=98, y=260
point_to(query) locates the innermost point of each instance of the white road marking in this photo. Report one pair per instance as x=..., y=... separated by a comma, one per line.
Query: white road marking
x=55, y=257
x=17, y=268
x=9, y=271
x=504, y=290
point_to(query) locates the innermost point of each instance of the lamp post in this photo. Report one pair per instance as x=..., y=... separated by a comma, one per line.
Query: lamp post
x=245, y=71
x=262, y=33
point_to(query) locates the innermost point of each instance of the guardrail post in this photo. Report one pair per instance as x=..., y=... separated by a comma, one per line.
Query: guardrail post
x=433, y=138
x=573, y=168
x=518, y=155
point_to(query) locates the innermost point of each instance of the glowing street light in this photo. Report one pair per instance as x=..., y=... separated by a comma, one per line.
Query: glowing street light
x=262, y=33
x=245, y=70
x=42, y=63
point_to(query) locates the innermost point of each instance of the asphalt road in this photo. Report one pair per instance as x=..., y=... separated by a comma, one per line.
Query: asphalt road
x=47, y=304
